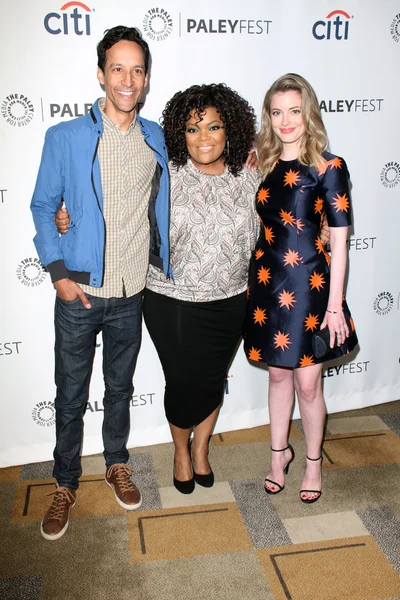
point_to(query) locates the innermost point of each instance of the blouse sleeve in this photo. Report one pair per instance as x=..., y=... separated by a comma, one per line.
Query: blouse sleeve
x=336, y=193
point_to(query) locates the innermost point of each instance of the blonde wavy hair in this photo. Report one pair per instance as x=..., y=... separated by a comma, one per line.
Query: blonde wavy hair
x=314, y=141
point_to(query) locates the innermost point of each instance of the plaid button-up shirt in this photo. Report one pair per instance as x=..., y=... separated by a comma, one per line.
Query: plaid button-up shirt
x=127, y=166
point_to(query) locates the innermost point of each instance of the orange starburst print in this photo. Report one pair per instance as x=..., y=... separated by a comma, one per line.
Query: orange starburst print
x=263, y=195
x=287, y=217
x=322, y=167
x=352, y=324
x=317, y=281
x=260, y=316
x=335, y=163
x=319, y=246
x=254, y=354
x=286, y=299
x=264, y=275
x=269, y=235
x=259, y=253
x=291, y=178
x=292, y=258
x=282, y=340
x=327, y=258
x=341, y=203
x=311, y=322
x=318, y=206
x=299, y=224
x=306, y=361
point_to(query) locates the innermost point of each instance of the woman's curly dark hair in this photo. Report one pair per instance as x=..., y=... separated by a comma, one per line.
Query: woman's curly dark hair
x=235, y=112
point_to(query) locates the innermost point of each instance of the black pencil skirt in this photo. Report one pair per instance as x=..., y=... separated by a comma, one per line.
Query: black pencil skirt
x=195, y=342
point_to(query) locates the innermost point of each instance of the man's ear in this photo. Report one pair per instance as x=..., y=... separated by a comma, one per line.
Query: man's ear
x=100, y=76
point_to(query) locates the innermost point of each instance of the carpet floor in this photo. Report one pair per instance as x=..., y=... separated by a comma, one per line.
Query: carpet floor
x=229, y=542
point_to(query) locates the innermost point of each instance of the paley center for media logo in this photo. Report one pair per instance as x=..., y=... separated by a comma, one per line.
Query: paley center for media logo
x=395, y=28
x=17, y=110
x=157, y=24
x=383, y=303
x=335, y=26
x=74, y=17
x=44, y=414
x=30, y=272
x=390, y=174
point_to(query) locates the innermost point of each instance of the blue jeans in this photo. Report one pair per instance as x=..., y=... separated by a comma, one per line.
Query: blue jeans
x=120, y=320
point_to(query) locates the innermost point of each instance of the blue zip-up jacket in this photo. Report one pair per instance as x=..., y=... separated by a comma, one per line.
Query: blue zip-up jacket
x=70, y=171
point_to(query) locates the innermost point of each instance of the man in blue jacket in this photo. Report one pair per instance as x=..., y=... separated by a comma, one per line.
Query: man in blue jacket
x=110, y=169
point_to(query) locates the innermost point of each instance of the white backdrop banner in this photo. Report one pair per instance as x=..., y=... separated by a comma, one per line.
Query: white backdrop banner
x=349, y=51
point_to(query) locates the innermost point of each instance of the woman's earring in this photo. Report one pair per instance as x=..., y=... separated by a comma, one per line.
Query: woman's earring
x=227, y=148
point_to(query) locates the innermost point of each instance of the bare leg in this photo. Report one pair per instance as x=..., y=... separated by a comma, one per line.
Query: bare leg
x=183, y=466
x=201, y=436
x=280, y=401
x=308, y=384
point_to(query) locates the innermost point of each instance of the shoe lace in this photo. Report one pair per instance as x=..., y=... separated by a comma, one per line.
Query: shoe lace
x=123, y=474
x=62, y=496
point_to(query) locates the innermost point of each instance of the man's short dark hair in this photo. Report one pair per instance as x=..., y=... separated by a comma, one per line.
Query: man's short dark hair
x=116, y=34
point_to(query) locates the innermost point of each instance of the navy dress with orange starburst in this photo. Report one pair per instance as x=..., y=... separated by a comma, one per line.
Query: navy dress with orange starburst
x=289, y=269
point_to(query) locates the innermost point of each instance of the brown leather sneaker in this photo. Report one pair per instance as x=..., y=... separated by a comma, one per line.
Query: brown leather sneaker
x=126, y=493
x=55, y=521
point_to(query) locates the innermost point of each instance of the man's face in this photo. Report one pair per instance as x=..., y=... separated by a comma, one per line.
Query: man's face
x=124, y=78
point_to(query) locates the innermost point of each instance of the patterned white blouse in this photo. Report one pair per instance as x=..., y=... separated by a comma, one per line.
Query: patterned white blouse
x=213, y=231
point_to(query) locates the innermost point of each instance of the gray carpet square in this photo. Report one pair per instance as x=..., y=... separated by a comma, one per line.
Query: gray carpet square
x=42, y=470
x=21, y=588
x=260, y=516
x=384, y=526
x=299, y=425
x=145, y=479
x=392, y=420
x=230, y=576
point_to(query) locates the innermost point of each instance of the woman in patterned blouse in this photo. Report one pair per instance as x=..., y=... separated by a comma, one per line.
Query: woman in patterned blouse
x=196, y=319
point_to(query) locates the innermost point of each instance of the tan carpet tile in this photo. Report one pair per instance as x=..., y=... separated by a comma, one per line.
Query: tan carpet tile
x=351, y=569
x=344, y=451
x=186, y=531
x=353, y=424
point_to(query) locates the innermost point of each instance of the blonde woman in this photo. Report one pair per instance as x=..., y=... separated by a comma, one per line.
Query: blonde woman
x=293, y=289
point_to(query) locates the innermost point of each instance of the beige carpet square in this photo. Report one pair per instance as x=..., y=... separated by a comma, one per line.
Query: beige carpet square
x=356, y=424
x=344, y=451
x=94, y=497
x=353, y=569
x=93, y=465
x=10, y=474
x=185, y=532
x=220, y=492
x=325, y=527
x=247, y=436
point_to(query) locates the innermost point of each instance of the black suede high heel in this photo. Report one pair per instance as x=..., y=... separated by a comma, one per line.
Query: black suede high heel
x=319, y=492
x=285, y=470
x=184, y=487
x=206, y=480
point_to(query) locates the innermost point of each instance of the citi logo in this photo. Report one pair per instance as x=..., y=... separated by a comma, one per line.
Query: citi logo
x=333, y=28
x=56, y=23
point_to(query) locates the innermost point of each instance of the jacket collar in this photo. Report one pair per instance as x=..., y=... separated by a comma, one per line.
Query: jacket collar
x=96, y=120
